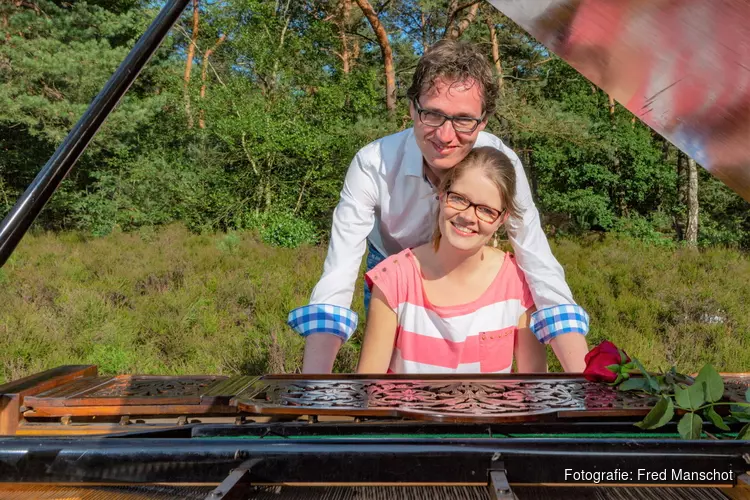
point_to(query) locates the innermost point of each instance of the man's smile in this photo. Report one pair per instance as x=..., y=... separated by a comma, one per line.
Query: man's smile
x=441, y=148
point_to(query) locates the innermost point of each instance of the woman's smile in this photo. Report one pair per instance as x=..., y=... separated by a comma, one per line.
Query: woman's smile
x=462, y=230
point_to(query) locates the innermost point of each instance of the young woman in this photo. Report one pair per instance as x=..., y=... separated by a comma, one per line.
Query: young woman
x=458, y=305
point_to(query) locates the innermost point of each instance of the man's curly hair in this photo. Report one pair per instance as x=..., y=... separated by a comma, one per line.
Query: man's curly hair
x=457, y=61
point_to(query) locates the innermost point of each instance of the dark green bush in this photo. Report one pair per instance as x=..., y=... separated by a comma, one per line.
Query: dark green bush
x=281, y=229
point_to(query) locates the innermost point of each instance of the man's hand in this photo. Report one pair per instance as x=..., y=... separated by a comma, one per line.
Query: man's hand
x=320, y=352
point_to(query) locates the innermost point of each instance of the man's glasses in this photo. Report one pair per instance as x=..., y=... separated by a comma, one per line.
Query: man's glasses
x=461, y=124
x=460, y=203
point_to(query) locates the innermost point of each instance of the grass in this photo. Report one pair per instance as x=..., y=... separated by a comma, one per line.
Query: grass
x=171, y=302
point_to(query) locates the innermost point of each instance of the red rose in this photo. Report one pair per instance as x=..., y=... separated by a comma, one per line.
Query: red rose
x=600, y=361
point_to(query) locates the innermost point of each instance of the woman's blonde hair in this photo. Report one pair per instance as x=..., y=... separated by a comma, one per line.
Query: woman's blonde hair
x=496, y=166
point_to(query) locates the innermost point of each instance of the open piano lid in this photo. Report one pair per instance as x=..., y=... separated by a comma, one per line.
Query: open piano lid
x=681, y=66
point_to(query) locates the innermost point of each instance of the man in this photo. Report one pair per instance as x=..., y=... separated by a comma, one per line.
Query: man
x=389, y=199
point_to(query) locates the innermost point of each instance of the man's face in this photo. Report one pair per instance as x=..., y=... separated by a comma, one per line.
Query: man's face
x=442, y=147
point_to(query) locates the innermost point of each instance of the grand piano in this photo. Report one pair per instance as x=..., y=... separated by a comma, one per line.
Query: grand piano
x=71, y=432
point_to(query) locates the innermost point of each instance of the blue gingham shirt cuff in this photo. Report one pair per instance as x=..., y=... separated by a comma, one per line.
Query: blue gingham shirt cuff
x=323, y=318
x=553, y=321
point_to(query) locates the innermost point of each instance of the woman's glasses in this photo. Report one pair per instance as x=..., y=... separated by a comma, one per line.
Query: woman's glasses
x=460, y=203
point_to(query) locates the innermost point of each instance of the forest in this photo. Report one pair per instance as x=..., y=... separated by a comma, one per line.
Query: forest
x=251, y=111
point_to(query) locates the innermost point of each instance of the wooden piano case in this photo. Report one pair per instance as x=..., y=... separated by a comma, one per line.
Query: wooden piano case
x=345, y=431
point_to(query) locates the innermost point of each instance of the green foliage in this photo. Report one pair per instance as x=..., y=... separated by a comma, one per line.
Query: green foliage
x=229, y=243
x=675, y=391
x=644, y=229
x=724, y=217
x=58, y=58
x=54, y=59
x=659, y=415
x=690, y=426
x=586, y=208
x=141, y=191
x=281, y=229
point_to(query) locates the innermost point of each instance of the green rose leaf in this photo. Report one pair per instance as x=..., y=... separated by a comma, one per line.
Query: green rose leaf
x=744, y=432
x=690, y=426
x=691, y=398
x=653, y=384
x=747, y=395
x=715, y=418
x=634, y=384
x=714, y=384
x=659, y=415
x=613, y=368
x=741, y=416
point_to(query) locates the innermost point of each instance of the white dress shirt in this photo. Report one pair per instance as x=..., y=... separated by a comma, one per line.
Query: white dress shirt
x=387, y=200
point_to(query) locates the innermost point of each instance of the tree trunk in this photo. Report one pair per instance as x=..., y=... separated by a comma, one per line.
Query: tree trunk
x=660, y=188
x=452, y=9
x=5, y=27
x=664, y=147
x=681, y=219
x=682, y=178
x=458, y=30
x=622, y=205
x=341, y=20
x=204, y=71
x=286, y=19
x=385, y=49
x=495, y=52
x=189, y=63
x=355, y=52
x=345, y=56
x=453, y=32
x=691, y=233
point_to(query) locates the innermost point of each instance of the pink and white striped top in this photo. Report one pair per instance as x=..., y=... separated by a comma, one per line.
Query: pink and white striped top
x=477, y=337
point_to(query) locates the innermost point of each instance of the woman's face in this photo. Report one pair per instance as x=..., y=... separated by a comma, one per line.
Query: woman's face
x=470, y=229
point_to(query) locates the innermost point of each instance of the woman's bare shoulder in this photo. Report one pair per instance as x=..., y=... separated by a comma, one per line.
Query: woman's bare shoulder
x=423, y=251
x=424, y=257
